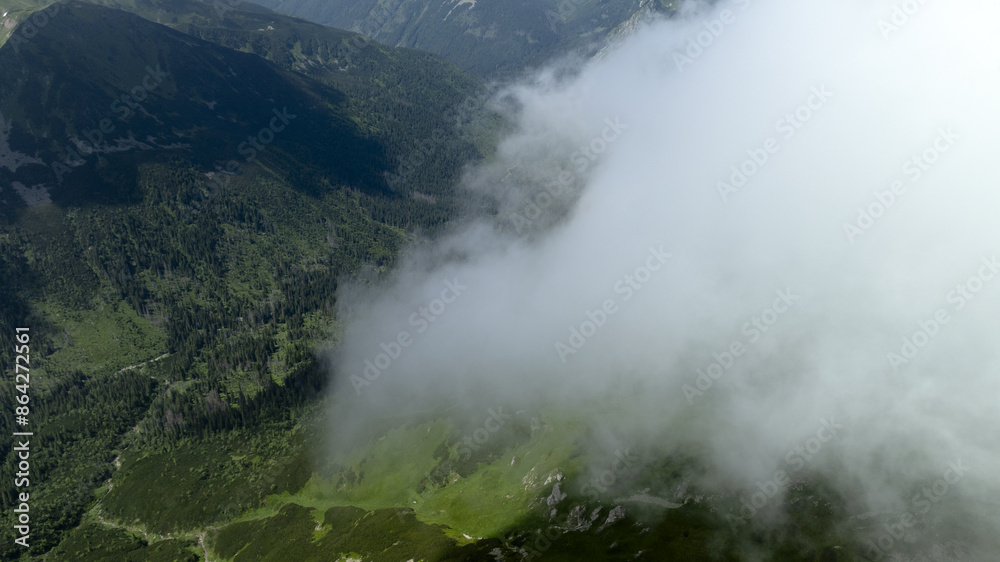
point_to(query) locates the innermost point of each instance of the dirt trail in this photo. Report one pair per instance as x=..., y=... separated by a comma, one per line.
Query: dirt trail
x=149, y=537
x=137, y=365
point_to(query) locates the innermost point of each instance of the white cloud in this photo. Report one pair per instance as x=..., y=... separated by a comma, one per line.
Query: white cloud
x=657, y=185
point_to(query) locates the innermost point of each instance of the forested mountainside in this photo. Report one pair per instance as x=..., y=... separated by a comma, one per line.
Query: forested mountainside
x=177, y=202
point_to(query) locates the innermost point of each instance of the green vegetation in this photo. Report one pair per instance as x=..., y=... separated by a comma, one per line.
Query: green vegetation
x=197, y=483
x=175, y=319
x=500, y=501
x=386, y=535
x=98, y=543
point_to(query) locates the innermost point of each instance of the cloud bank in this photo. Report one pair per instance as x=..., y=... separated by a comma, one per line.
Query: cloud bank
x=741, y=226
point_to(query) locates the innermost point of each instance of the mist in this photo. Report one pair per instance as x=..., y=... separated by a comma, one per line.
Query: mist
x=742, y=228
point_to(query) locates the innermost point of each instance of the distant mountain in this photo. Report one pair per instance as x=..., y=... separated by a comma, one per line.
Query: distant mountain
x=379, y=103
x=97, y=87
x=488, y=37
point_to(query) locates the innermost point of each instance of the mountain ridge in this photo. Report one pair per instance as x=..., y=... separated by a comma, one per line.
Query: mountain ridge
x=491, y=39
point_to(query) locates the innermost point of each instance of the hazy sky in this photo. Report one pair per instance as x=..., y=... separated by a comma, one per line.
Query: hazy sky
x=804, y=193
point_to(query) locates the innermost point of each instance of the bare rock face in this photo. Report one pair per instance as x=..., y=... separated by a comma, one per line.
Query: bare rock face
x=556, y=496
x=616, y=514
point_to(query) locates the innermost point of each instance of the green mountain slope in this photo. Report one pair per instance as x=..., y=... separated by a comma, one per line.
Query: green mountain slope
x=136, y=86
x=524, y=493
x=375, y=88
x=174, y=216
